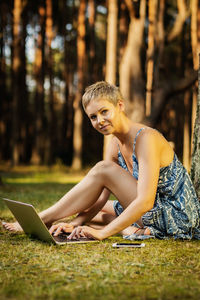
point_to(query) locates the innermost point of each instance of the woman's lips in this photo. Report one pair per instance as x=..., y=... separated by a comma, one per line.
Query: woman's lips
x=104, y=127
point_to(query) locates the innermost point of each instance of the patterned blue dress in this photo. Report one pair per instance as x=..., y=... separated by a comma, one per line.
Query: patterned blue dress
x=176, y=211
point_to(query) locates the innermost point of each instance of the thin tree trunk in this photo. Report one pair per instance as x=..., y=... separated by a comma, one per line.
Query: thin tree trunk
x=15, y=85
x=131, y=81
x=51, y=140
x=67, y=110
x=160, y=38
x=150, y=53
x=78, y=117
x=2, y=81
x=111, y=52
x=195, y=43
x=195, y=167
x=24, y=99
x=92, y=50
x=180, y=20
x=111, y=46
x=123, y=29
x=38, y=147
x=186, y=131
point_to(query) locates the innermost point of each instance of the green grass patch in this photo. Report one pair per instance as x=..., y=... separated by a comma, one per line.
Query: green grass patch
x=30, y=269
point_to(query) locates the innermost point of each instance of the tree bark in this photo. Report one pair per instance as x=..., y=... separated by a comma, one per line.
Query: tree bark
x=16, y=82
x=195, y=43
x=131, y=80
x=111, y=42
x=51, y=139
x=92, y=50
x=78, y=117
x=150, y=53
x=180, y=20
x=123, y=29
x=38, y=146
x=167, y=90
x=195, y=167
x=186, y=131
x=24, y=99
x=3, y=103
x=111, y=52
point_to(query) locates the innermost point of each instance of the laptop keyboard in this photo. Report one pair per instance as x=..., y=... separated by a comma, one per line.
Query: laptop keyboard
x=62, y=237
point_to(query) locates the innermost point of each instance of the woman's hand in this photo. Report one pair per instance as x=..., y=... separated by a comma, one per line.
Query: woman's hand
x=86, y=231
x=58, y=228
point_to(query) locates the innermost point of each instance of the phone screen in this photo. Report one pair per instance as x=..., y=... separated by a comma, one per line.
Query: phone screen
x=133, y=245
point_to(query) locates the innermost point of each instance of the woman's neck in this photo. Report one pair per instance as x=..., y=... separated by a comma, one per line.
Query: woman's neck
x=123, y=131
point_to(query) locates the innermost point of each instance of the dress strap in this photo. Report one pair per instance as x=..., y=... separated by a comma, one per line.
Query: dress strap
x=134, y=143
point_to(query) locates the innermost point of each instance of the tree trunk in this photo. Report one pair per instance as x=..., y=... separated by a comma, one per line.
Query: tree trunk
x=195, y=43
x=38, y=146
x=186, y=131
x=123, y=29
x=195, y=168
x=167, y=90
x=16, y=84
x=180, y=20
x=131, y=81
x=160, y=40
x=92, y=50
x=111, y=46
x=24, y=99
x=2, y=81
x=150, y=53
x=111, y=53
x=51, y=139
x=78, y=117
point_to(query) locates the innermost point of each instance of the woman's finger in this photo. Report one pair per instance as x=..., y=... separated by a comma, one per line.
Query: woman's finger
x=53, y=228
x=58, y=231
x=74, y=233
x=68, y=228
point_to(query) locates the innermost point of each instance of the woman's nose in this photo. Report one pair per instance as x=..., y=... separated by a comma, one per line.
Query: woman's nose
x=100, y=119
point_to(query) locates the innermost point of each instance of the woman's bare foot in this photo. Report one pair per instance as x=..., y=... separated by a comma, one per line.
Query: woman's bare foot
x=135, y=230
x=15, y=227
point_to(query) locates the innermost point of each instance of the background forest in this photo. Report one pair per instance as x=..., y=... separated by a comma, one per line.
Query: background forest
x=51, y=50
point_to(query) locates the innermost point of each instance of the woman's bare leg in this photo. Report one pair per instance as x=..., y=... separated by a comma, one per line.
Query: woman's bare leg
x=107, y=215
x=82, y=196
x=85, y=194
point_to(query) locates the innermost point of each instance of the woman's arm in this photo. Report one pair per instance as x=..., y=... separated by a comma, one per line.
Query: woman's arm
x=148, y=151
x=148, y=154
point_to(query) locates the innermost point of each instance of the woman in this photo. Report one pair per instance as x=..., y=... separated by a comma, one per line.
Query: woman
x=154, y=191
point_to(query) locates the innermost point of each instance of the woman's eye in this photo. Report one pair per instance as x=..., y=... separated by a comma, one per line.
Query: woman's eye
x=104, y=112
x=93, y=118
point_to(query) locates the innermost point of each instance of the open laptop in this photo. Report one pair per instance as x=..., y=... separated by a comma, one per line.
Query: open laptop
x=32, y=224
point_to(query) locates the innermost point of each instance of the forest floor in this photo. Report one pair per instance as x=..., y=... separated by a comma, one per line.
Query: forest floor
x=30, y=269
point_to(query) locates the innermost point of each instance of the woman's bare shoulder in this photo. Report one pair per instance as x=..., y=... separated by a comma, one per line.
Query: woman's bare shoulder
x=153, y=139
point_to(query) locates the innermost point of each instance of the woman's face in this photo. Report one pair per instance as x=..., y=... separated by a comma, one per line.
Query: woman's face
x=104, y=116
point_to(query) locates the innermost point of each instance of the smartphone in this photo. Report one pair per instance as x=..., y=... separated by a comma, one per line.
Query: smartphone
x=128, y=245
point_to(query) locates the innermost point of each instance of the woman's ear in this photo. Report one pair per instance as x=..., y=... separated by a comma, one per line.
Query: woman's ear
x=121, y=105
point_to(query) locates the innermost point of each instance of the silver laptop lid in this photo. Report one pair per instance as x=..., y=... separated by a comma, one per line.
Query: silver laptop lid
x=29, y=220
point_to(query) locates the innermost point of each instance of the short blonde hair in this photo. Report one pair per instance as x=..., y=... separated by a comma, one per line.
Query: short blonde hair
x=101, y=89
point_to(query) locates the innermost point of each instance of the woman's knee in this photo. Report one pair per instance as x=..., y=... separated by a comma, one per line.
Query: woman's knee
x=102, y=168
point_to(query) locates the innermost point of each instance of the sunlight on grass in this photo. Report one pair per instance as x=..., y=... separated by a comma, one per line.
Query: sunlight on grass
x=46, y=178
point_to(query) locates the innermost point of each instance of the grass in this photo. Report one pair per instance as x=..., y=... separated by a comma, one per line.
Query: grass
x=30, y=269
